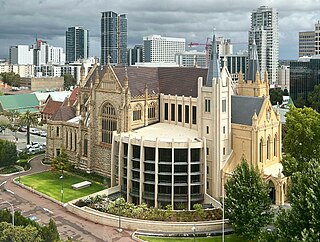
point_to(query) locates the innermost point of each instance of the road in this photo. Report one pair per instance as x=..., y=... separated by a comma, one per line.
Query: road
x=69, y=225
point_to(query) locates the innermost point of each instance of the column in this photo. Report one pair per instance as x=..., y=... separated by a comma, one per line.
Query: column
x=156, y=177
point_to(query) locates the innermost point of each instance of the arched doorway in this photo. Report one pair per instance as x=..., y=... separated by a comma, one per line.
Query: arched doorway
x=272, y=192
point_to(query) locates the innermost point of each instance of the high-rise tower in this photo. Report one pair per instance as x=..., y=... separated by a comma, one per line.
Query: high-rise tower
x=114, y=38
x=77, y=44
x=265, y=31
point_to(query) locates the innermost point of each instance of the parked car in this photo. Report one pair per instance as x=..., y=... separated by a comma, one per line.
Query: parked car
x=34, y=131
x=43, y=133
x=35, y=144
x=22, y=129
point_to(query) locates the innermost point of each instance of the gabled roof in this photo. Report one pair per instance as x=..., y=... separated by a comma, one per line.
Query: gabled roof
x=51, y=107
x=64, y=113
x=59, y=96
x=19, y=102
x=243, y=109
x=73, y=95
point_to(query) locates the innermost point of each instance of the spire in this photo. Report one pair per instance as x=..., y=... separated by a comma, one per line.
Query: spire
x=253, y=63
x=126, y=78
x=82, y=75
x=214, y=67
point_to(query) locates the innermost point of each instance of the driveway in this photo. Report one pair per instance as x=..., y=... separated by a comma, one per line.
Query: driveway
x=41, y=209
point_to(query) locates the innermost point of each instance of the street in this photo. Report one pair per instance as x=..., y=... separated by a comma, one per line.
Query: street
x=41, y=210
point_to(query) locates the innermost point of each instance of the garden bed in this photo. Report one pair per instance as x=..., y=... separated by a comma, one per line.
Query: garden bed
x=9, y=170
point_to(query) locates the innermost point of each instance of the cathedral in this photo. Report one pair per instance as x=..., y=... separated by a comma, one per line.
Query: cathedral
x=171, y=135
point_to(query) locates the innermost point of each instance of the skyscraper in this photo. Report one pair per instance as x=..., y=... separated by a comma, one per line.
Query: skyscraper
x=114, y=38
x=77, y=44
x=265, y=31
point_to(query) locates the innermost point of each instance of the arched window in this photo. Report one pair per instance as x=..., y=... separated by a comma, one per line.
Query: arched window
x=67, y=139
x=261, y=150
x=151, y=110
x=137, y=112
x=275, y=151
x=108, y=122
x=268, y=147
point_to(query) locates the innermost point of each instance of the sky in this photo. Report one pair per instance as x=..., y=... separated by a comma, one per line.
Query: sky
x=22, y=20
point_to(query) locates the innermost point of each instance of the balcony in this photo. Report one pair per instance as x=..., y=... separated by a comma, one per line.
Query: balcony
x=164, y=182
x=148, y=182
x=180, y=197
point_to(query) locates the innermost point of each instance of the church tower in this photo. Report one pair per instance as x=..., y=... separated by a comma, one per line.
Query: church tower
x=214, y=101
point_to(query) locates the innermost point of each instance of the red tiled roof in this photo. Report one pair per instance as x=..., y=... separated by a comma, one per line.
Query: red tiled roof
x=51, y=107
x=73, y=96
x=64, y=113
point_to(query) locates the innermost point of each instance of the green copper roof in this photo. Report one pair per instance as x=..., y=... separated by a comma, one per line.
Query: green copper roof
x=19, y=102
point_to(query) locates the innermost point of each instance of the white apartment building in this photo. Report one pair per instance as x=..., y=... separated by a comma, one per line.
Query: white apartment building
x=21, y=55
x=22, y=70
x=265, y=31
x=162, y=49
x=47, y=54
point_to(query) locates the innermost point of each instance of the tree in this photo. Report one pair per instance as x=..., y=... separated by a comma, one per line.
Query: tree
x=61, y=162
x=28, y=119
x=13, y=116
x=8, y=153
x=50, y=233
x=8, y=232
x=314, y=98
x=276, y=95
x=11, y=78
x=247, y=202
x=302, y=221
x=69, y=81
x=302, y=139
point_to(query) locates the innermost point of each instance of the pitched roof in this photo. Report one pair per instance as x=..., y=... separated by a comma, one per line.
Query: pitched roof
x=73, y=95
x=243, y=108
x=59, y=96
x=19, y=102
x=51, y=107
x=64, y=113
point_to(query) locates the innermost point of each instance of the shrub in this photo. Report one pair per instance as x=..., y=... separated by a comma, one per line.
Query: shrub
x=8, y=153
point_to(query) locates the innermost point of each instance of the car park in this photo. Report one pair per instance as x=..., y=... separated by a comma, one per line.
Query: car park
x=43, y=133
x=22, y=129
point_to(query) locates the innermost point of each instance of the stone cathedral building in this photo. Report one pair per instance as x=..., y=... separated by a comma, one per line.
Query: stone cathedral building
x=171, y=135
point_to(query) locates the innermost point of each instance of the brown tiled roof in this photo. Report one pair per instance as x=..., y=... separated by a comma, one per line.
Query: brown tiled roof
x=51, y=107
x=73, y=95
x=64, y=113
x=168, y=80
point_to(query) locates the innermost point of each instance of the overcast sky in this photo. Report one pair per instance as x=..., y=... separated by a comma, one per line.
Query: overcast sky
x=21, y=20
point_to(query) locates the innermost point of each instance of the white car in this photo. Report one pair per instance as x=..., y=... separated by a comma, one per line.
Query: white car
x=43, y=133
x=35, y=144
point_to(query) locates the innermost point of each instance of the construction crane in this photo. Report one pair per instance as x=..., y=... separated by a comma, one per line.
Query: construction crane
x=207, y=46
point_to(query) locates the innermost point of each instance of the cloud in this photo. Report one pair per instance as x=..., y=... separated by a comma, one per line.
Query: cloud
x=21, y=20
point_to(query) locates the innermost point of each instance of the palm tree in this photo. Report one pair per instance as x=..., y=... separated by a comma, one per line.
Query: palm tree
x=28, y=119
x=13, y=116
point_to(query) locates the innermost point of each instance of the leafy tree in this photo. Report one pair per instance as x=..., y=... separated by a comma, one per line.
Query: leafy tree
x=61, y=162
x=13, y=116
x=50, y=233
x=69, y=81
x=276, y=95
x=314, y=98
x=8, y=153
x=11, y=78
x=300, y=102
x=302, y=139
x=247, y=204
x=302, y=221
x=8, y=232
x=28, y=119
x=285, y=92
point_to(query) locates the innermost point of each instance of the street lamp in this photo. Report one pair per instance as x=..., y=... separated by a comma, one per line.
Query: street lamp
x=119, y=205
x=12, y=210
x=61, y=177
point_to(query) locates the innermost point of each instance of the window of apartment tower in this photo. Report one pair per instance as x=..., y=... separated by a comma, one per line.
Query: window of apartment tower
x=207, y=105
x=194, y=115
x=108, y=122
x=224, y=106
x=166, y=111
x=152, y=110
x=137, y=112
x=179, y=113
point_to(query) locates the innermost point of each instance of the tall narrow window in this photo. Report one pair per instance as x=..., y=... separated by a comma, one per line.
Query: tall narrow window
x=261, y=150
x=166, y=111
x=67, y=138
x=224, y=105
x=186, y=114
x=70, y=140
x=137, y=112
x=179, y=113
x=173, y=112
x=75, y=141
x=207, y=129
x=275, y=151
x=151, y=110
x=108, y=122
x=194, y=115
x=224, y=129
x=58, y=132
x=85, y=147
x=207, y=105
x=268, y=147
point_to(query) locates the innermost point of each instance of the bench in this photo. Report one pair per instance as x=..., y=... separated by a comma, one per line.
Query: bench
x=81, y=185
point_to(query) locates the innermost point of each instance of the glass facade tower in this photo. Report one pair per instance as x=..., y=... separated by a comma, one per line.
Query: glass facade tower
x=77, y=44
x=114, y=36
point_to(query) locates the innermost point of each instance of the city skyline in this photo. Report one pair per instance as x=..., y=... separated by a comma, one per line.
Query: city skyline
x=21, y=21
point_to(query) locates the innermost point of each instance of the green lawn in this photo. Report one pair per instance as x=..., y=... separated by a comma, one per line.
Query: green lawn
x=228, y=238
x=49, y=183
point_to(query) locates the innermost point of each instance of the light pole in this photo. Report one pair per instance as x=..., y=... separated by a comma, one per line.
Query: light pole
x=119, y=226
x=12, y=210
x=62, y=191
